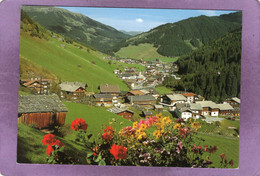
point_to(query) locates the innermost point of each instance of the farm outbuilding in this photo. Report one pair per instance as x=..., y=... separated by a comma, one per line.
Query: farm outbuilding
x=42, y=110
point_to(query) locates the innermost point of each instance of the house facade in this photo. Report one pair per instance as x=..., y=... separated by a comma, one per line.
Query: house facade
x=73, y=90
x=125, y=113
x=105, y=100
x=171, y=100
x=142, y=100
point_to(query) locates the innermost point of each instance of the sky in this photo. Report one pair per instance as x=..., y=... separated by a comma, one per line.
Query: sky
x=133, y=19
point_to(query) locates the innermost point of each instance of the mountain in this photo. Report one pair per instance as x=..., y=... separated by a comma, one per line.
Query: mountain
x=49, y=55
x=132, y=33
x=76, y=26
x=212, y=71
x=176, y=39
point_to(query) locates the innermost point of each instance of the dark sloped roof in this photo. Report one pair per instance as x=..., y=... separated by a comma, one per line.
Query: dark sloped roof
x=147, y=113
x=118, y=110
x=107, y=88
x=141, y=98
x=103, y=96
x=40, y=103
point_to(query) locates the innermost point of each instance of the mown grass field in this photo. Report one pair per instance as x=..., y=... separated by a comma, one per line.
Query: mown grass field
x=143, y=51
x=69, y=63
x=163, y=90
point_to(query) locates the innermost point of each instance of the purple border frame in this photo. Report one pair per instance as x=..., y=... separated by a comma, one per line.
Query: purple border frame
x=249, y=153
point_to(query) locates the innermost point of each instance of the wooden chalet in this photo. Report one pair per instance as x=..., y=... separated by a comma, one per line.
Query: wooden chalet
x=41, y=86
x=209, y=108
x=134, y=93
x=225, y=109
x=183, y=111
x=158, y=108
x=42, y=110
x=73, y=90
x=171, y=100
x=125, y=113
x=105, y=100
x=147, y=114
x=142, y=100
x=234, y=102
x=109, y=89
x=190, y=97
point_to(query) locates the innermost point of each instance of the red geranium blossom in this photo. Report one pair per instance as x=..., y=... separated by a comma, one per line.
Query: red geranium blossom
x=48, y=139
x=108, y=133
x=222, y=156
x=58, y=143
x=49, y=150
x=107, y=136
x=119, y=152
x=78, y=124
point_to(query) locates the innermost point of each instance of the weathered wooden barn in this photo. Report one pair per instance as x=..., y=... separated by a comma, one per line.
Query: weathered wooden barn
x=125, y=113
x=42, y=110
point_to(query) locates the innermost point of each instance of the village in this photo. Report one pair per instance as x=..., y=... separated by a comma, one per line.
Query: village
x=141, y=101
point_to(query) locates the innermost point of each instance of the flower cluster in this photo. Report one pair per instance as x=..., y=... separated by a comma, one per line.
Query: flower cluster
x=108, y=133
x=49, y=139
x=79, y=124
x=119, y=152
x=128, y=131
x=148, y=122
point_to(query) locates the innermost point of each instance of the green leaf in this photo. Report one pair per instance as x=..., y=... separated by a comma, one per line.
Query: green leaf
x=98, y=158
x=89, y=155
x=102, y=163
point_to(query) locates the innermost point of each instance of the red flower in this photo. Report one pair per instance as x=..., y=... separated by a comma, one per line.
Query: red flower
x=184, y=131
x=107, y=136
x=205, y=148
x=119, y=152
x=213, y=149
x=108, y=130
x=58, y=143
x=222, y=156
x=49, y=150
x=231, y=162
x=78, y=124
x=108, y=133
x=48, y=139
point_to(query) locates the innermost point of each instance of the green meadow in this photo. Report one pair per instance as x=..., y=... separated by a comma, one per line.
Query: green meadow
x=69, y=63
x=143, y=51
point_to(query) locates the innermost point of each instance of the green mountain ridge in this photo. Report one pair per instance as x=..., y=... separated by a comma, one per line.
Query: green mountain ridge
x=212, y=71
x=76, y=26
x=176, y=39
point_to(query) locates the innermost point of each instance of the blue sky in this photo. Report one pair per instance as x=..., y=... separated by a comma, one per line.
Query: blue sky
x=132, y=19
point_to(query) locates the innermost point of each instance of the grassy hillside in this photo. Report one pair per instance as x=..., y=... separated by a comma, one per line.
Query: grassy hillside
x=95, y=117
x=69, y=63
x=76, y=26
x=144, y=51
x=176, y=39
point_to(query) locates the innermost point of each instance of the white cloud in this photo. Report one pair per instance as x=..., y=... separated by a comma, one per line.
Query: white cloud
x=139, y=20
x=209, y=12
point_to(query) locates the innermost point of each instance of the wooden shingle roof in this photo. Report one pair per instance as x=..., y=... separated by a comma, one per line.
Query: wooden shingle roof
x=40, y=103
x=107, y=88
